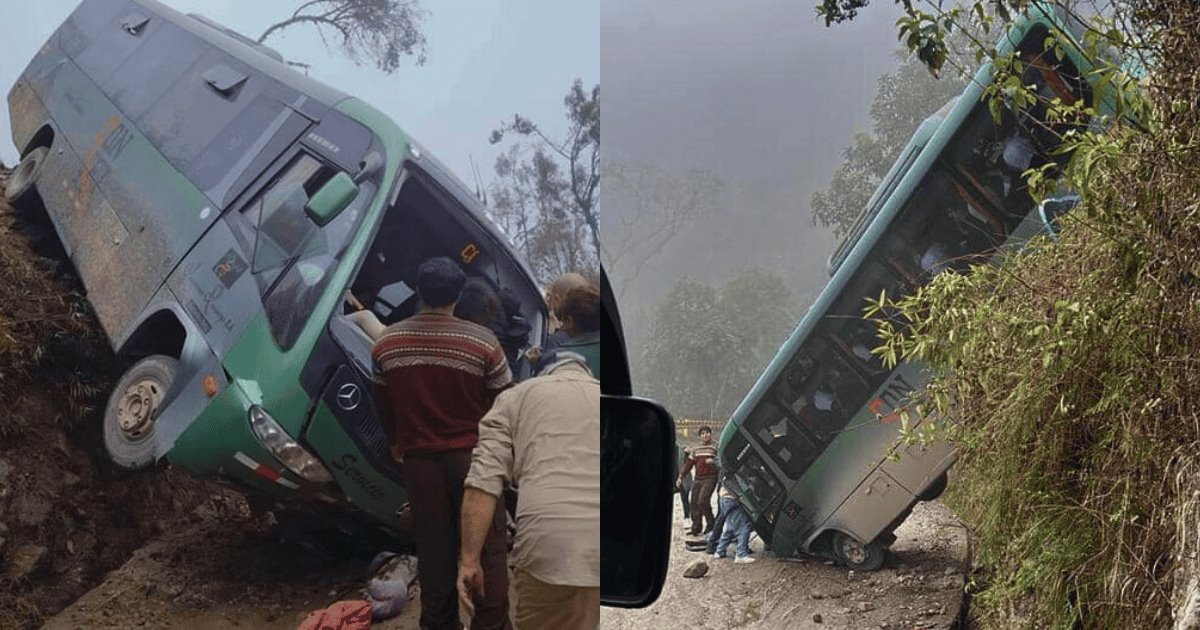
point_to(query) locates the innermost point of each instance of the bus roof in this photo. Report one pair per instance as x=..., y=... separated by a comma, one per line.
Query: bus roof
x=888, y=184
x=260, y=58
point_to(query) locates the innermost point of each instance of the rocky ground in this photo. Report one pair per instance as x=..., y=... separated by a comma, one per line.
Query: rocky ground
x=920, y=587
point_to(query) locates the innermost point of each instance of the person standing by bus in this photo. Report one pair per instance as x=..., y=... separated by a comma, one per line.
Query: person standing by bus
x=726, y=499
x=704, y=459
x=543, y=435
x=438, y=377
x=685, y=489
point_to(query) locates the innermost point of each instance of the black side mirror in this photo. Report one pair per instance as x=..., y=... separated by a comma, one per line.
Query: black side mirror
x=637, y=477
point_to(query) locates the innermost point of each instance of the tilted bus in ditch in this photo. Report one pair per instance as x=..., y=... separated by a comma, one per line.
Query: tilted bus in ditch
x=810, y=449
x=217, y=207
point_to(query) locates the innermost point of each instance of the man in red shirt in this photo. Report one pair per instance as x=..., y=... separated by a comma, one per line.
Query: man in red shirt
x=704, y=459
x=439, y=377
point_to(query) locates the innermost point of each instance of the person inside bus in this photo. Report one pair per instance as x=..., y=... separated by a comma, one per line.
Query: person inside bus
x=363, y=317
x=478, y=303
x=935, y=259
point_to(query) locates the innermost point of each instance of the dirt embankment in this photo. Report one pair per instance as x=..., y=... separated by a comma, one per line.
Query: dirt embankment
x=66, y=517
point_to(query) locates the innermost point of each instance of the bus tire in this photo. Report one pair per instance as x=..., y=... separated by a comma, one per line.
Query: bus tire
x=935, y=489
x=132, y=410
x=22, y=183
x=857, y=556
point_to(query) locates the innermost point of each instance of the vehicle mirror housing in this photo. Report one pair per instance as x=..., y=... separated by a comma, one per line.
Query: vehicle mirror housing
x=637, y=487
x=371, y=163
x=331, y=199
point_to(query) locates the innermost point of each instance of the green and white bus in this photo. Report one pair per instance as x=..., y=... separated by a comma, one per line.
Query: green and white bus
x=218, y=207
x=808, y=448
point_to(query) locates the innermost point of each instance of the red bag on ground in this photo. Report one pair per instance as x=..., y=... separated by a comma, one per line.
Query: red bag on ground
x=344, y=615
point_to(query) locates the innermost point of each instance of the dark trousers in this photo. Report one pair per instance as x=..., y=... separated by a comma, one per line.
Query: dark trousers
x=684, y=493
x=435, y=489
x=702, y=490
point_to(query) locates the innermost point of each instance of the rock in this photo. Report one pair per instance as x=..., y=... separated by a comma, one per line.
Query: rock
x=950, y=571
x=817, y=618
x=846, y=611
x=30, y=511
x=818, y=595
x=26, y=560
x=696, y=569
x=866, y=606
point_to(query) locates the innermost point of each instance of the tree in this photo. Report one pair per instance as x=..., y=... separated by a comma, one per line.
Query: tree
x=530, y=203
x=655, y=206
x=381, y=31
x=577, y=156
x=708, y=346
x=903, y=99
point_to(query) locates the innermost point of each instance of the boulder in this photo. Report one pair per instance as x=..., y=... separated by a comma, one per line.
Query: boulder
x=696, y=569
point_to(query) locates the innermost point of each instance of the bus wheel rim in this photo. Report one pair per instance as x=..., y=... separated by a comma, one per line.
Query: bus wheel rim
x=137, y=408
x=853, y=552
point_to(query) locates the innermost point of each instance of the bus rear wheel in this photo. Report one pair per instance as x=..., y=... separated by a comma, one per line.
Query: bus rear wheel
x=935, y=489
x=855, y=555
x=133, y=409
x=22, y=184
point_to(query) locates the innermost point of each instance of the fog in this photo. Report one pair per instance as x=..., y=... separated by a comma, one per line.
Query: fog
x=762, y=94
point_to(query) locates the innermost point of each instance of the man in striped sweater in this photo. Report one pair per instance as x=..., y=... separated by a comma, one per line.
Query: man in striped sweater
x=704, y=459
x=439, y=376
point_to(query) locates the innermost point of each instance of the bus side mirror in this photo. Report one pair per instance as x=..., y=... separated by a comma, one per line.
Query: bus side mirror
x=637, y=488
x=331, y=199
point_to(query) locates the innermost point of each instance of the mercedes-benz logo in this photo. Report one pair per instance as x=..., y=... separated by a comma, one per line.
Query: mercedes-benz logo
x=348, y=397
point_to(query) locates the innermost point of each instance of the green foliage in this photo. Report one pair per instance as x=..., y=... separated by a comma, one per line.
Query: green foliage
x=707, y=345
x=1069, y=372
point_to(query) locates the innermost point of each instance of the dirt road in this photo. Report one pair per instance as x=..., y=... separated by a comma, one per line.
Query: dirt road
x=228, y=569
x=920, y=586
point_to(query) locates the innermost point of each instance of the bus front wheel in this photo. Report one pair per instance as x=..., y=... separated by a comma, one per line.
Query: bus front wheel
x=133, y=409
x=855, y=555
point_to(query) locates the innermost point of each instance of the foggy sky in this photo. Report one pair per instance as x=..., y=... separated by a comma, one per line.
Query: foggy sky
x=761, y=93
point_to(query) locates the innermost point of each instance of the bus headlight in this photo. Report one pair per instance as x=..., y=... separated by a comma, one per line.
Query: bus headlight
x=285, y=449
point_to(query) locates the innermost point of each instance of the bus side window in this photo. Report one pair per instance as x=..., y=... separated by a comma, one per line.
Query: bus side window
x=857, y=339
x=761, y=488
x=790, y=449
x=946, y=226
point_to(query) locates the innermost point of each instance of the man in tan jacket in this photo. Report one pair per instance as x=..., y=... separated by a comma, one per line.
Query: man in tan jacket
x=544, y=435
